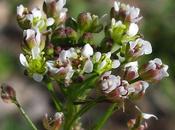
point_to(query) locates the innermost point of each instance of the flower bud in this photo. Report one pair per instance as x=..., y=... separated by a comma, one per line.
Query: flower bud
x=71, y=34
x=53, y=123
x=22, y=17
x=87, y=38
x=8, y=94
x=131, y=71
x=153, y=71
x=84, y=21
x=137, y=89
x=96, y=25
x=117, y=30
x=33, y=39
x=64, y=35
x=113, y=87
x=50, y=49
x=56, y=10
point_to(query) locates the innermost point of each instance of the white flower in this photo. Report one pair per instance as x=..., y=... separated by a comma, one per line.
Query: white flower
x=20, y=10
x=88, y=67
x=115, y=64
x=87, y=51
x=132, y=13
x=140, y=47
x=133, y=29
x=117, y=6
x=109, y=82
x=23, y=60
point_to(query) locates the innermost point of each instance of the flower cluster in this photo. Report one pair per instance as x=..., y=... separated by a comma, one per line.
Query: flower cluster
x=57, y=47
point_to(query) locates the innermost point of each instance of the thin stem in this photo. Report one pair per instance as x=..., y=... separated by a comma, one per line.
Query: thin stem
x=25, y=116
x=56, y=101
x=105, y=117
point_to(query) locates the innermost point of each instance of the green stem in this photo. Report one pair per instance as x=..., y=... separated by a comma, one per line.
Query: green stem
x=25, y=116
x=105, y=117
x=56, y=101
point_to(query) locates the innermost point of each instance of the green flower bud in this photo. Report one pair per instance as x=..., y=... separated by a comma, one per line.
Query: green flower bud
x=84, y=21
x=87, y=38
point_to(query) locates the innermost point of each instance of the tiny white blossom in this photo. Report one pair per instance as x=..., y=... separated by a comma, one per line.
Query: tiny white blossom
x=87, y=51
x=20, y=10
x=133, y=29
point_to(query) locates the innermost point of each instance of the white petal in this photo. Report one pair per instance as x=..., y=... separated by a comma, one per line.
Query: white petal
x=52, y=69
x=115, y=64
x=23, y=60
x=148, y=116
x=20, y=10
x=36, y=13
x=37, y=77
x=88, y=67
x=158, y=61
x=29, y=33
x=97, y=56
x=145, y=85
x=35, y=52
x=116, y=6
x=87, y=51
x=49, y=1
x=133, y=29
x=29, y=17
x=50, y=21
x=60, y=4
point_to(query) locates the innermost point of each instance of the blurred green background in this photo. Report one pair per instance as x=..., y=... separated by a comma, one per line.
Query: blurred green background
x=158, y=27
